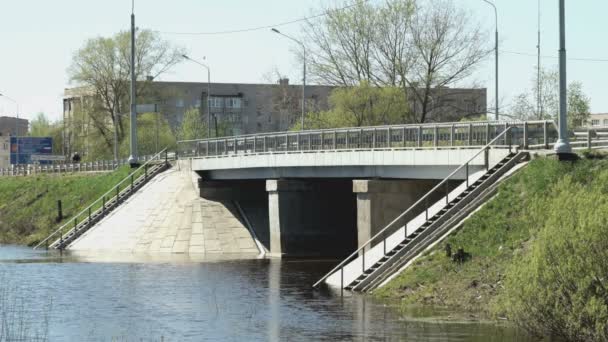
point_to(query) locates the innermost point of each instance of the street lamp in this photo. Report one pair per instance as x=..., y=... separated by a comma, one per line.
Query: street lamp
x=16, y=127
x=304, y=72
x=496, y=54
x=562, y=146
x=208, y=93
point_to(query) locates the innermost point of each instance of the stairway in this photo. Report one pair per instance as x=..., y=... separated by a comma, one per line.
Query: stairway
x=83, y=221
x=434, y=227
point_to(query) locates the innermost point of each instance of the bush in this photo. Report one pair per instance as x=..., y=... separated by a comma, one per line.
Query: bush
x=559, y=287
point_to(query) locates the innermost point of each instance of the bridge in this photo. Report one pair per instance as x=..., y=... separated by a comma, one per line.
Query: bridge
x=328, y=192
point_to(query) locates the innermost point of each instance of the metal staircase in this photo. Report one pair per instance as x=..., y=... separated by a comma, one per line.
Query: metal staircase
x=108, y=202
x=393, y=248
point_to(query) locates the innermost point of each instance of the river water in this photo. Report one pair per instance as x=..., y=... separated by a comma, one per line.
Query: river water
x=127, y=298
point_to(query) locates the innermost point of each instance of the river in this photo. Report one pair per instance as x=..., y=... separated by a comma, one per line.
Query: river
x=173, y=298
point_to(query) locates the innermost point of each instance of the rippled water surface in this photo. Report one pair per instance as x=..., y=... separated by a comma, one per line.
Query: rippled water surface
x=126, y=298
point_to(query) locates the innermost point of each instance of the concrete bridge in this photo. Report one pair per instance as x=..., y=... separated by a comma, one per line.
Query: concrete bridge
x=327, y=192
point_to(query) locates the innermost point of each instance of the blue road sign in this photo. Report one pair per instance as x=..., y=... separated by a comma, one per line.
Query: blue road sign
x=26, y=146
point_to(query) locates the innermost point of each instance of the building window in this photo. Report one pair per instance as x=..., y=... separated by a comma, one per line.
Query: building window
x=179, y=103
x=216, y=102
x=595, y=122
x=605, y=122
x=198, y=104
x=233, y=102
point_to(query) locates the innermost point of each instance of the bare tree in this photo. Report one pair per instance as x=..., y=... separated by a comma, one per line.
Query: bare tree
x=397, y=43
x=448, y=47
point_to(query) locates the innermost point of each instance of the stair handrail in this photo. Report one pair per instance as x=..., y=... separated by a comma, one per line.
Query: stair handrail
x=420, y=201
x=102, y=197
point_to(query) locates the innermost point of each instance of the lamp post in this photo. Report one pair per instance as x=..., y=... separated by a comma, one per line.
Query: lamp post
x=495, y=55
x=208, y=93
x=562, y=146
x=303, y=71
x=16, y=127
x=133, y=157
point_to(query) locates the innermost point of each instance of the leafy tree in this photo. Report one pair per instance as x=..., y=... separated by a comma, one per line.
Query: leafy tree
x=363, y=105
x=397, y=43
x=150, y=126
x=193, y=126
x=525, y=105
x=40, y=126
x=102, y=68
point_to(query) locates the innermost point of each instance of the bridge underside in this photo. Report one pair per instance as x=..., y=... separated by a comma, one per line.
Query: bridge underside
x=317, y=217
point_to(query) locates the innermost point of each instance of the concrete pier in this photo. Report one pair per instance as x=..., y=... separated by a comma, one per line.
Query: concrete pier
x=311, y=217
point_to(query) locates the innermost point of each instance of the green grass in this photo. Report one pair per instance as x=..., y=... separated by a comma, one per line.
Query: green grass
x=28, y=205
x=496, y=236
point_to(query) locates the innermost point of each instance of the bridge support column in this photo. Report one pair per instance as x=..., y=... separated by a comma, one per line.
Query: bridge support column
x=311, y=218
x=380, y=201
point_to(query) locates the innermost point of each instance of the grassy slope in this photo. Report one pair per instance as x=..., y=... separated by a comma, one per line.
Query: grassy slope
x=28, y=205
x=494, y=235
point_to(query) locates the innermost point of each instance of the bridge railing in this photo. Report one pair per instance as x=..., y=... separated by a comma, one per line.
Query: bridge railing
x=533, y=134
x=93, y=166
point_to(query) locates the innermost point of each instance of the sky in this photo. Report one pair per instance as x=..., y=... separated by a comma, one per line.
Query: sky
x=39, y=37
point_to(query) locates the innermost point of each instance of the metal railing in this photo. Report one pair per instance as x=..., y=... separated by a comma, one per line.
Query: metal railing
x=107, y=201
x=441, y=135
x=94, y=166
x=436, y=194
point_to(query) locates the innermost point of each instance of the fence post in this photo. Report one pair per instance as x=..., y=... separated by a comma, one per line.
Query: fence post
x=347, y=142
x=298, y=140
x=488, y=133
x=545, y=138
x=403, y=134
x=264, y=146
x=525, y=142
x=419, y=138
x=334, y=140
x=435, y=136
x=388, y=138
x=589, y=138
x=452, y=129
x=59, y=211
x=470, y=135
x=374, y=138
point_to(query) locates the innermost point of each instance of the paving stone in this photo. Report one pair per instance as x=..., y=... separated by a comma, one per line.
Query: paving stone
x=181, y=247
x=168, y=242
x=183, y=235
x=197, y=240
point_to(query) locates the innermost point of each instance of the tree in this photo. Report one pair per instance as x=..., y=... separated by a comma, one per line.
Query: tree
x=193, y=126
x=40, y=126
x=419, y=49
x=363, y=105
x=525, y=105
x=102, y=68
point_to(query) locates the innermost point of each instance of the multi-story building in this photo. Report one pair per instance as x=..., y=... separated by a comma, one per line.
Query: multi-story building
x=597, y=120
x=5, y=151
x=12, y=126
x=242, y=108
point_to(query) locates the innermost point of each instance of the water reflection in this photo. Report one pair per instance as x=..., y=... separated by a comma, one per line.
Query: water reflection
x=182, y=298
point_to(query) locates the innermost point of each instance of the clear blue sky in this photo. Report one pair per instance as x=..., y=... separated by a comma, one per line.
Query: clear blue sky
x=38, y=38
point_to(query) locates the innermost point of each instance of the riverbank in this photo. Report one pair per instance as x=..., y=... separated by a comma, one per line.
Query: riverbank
x=28, y=205
x=545, y=201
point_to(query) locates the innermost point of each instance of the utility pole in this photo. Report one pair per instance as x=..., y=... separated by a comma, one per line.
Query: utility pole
x=133, y=157
x=495, y=57
x=562, y=146
x=539, y=104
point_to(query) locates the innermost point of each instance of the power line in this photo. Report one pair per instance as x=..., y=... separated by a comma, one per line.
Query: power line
x=555, y=57
x=265, y=27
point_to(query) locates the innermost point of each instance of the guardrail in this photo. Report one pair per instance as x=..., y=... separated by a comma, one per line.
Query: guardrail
x=441, y=135
x=437, y=193
x=100, y=165
x=108, y=201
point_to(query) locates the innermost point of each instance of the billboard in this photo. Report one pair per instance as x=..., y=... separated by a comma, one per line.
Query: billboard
x=24, y=147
